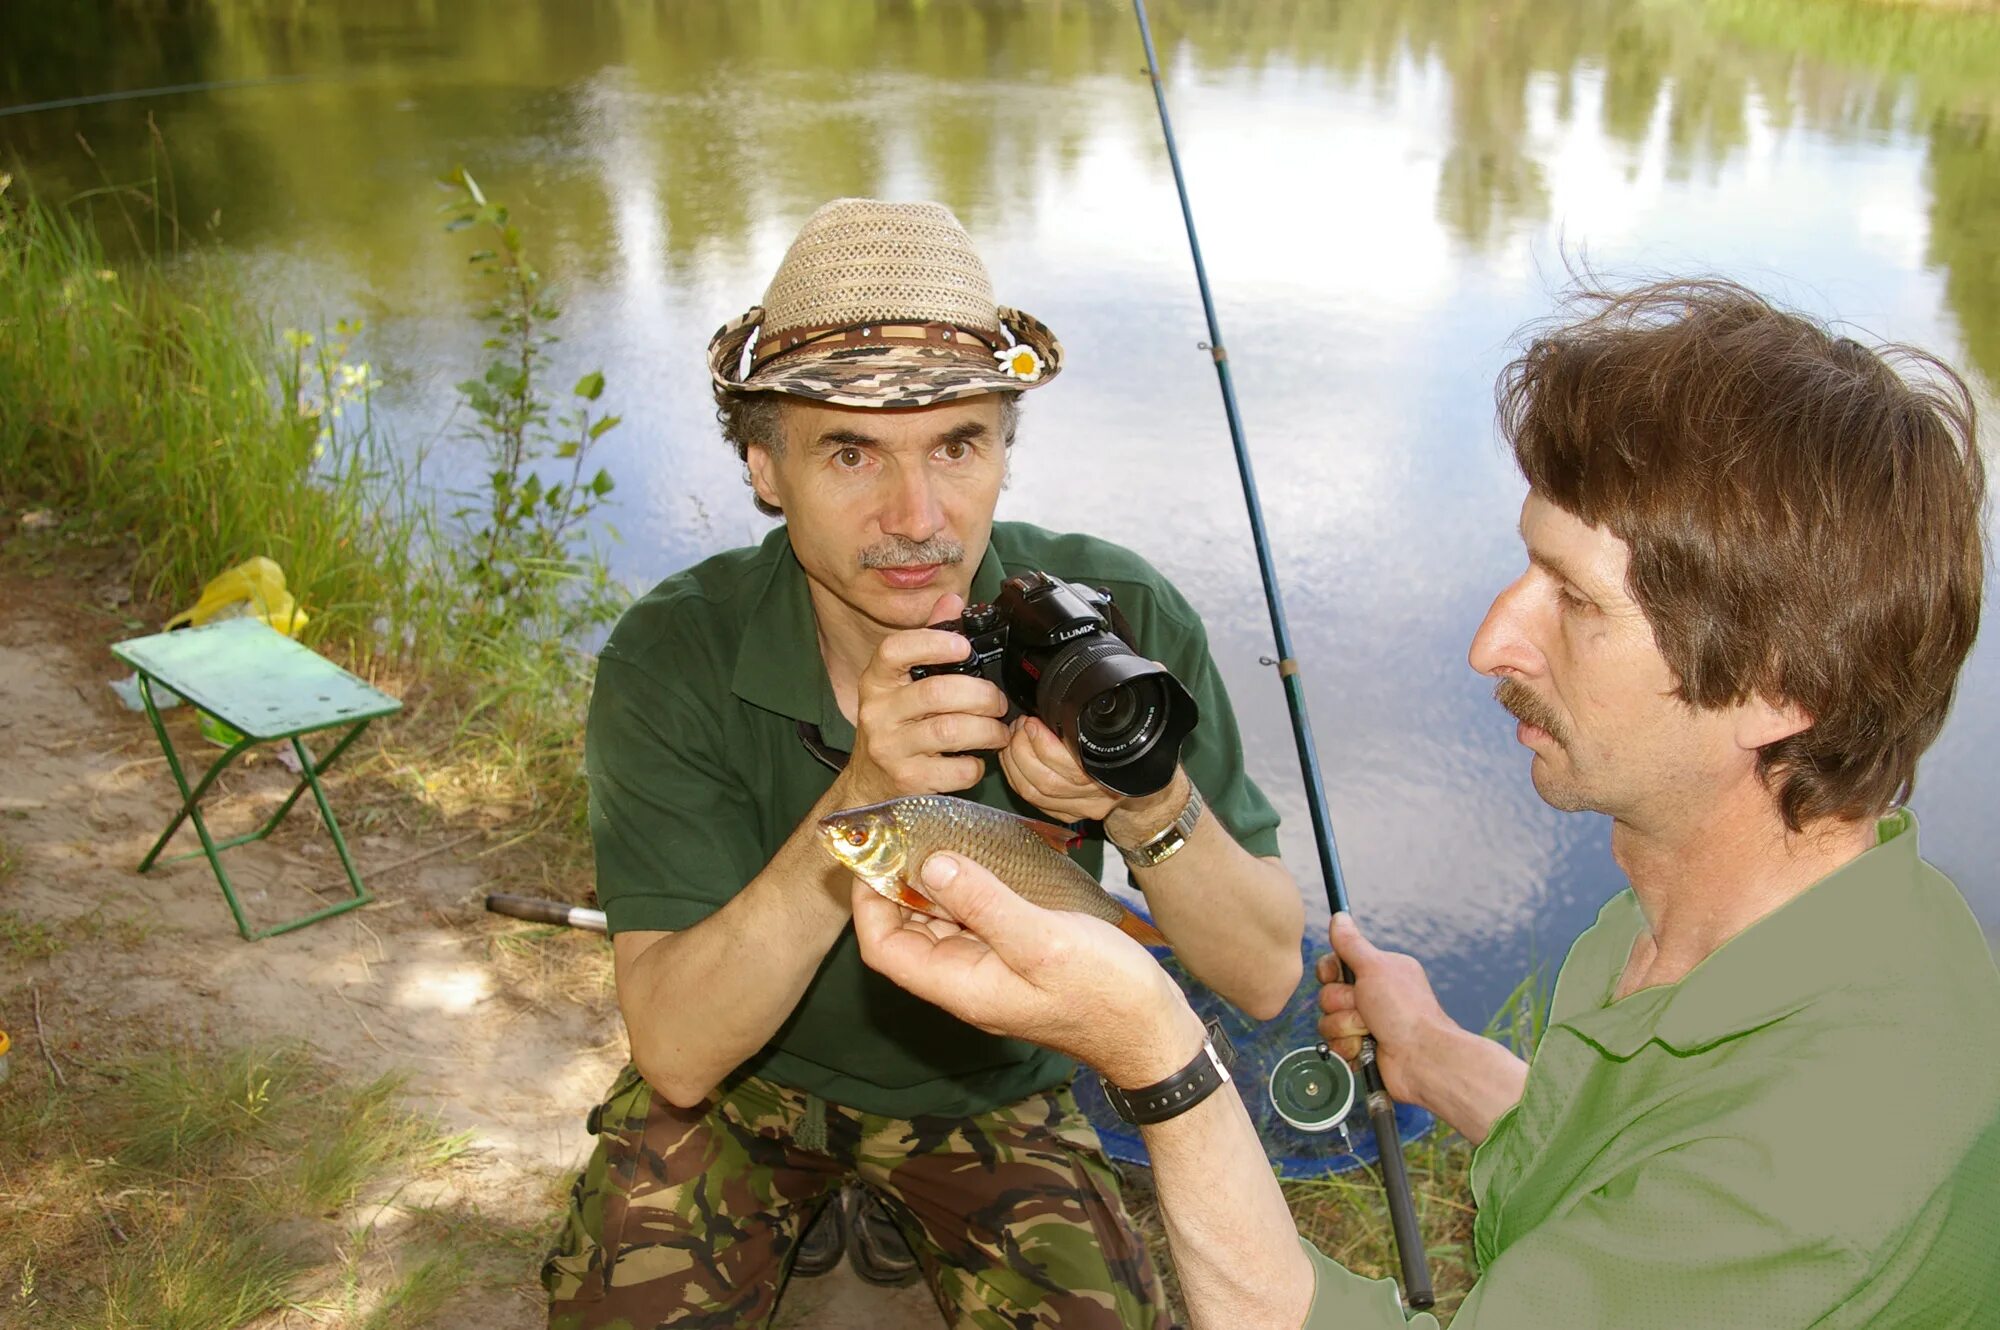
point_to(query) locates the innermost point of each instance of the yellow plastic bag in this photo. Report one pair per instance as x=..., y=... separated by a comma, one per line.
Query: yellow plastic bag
x=253, y=589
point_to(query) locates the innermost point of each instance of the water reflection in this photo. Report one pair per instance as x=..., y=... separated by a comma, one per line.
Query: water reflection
x=1386, y=191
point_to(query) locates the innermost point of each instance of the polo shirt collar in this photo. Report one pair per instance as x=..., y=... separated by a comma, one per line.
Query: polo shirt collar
x=778, y=665
x=1818, y=942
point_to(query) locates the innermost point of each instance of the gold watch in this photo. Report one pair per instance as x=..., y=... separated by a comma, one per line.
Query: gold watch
x=1166, y=843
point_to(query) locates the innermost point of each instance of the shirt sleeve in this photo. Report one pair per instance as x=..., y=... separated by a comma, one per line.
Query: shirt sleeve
x=1213, y=755
x=672, y=826
x=1343, y=1300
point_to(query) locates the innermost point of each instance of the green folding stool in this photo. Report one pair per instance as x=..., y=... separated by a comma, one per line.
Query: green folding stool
x=268, y=689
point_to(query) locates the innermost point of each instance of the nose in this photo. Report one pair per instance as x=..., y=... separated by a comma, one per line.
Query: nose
x=913, y=510
x=1503, y=647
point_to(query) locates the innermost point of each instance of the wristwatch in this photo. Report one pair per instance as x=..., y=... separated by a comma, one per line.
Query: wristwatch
x=1207, y=1073
x=1167, y=842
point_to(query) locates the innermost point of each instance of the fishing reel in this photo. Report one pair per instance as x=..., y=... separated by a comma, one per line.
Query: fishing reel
x=1313, y=1089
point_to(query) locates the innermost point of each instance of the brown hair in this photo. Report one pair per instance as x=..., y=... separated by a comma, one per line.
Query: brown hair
x=748, y=418
x=1804, y=516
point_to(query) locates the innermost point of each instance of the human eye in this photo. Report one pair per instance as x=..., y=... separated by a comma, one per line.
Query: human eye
x=955, y=450
x=1572, y=601
x=849, y=458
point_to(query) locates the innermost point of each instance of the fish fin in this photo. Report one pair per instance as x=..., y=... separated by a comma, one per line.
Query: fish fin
x=1056, y=836
x=1134, y=925
x=911, y=898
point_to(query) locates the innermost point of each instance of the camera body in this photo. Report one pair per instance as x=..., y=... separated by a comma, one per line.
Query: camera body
x=1061, y=652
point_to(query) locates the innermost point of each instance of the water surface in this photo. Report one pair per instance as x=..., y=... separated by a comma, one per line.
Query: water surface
x=1386, y=191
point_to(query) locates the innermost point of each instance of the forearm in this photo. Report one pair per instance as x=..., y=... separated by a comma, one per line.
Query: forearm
x=700, y=1001
x=1235, y=919
x=1234, y=1243
x=1469, y=1081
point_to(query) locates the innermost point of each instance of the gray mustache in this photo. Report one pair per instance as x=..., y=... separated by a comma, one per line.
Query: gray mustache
x=913, y=553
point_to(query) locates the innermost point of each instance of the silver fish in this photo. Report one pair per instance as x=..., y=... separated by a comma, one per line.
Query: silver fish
x=886, y=844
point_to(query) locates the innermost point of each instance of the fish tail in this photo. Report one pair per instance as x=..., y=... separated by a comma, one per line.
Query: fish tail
x=1134, y=926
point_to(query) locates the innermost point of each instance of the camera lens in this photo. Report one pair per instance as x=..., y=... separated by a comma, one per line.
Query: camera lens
x=1122, y=721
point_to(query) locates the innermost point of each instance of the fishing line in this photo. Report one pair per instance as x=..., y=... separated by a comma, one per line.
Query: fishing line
x=99, y=98
x=1306, y=1082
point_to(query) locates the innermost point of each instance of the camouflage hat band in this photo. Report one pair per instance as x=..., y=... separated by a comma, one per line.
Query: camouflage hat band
x=968, y=342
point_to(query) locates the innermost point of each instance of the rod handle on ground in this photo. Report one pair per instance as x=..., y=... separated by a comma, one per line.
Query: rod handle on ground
x=545, y=912
x=1417, y=1291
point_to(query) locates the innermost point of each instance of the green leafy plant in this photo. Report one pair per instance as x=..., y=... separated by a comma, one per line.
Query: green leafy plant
x=520, y=557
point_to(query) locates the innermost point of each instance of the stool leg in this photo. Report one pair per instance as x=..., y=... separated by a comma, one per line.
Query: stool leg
x=306, y=764
x=190, y=810
x=311, y=771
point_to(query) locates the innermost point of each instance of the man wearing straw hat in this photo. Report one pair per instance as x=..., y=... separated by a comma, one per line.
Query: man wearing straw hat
x=873, y=399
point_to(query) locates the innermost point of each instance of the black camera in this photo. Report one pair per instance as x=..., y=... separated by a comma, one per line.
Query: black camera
x=1060, y=651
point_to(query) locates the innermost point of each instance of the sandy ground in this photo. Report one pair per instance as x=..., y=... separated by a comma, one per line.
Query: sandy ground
x=407, y=983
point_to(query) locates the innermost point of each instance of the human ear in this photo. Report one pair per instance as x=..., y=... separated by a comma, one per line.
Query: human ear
x=1761, y=721
x=762, y=468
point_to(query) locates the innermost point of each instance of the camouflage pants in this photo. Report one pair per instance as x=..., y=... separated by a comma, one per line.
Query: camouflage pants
x=690, y=1217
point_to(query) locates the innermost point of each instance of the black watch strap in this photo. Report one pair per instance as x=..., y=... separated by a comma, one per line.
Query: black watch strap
x=1200, y=1078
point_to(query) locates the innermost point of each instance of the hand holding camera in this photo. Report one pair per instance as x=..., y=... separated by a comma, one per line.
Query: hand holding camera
x=1060, y=653
x=915, y=734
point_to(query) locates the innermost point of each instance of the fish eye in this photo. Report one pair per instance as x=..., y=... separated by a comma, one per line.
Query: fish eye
x=856, y=835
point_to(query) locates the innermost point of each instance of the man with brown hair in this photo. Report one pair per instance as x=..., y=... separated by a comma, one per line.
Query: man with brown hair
x=1769, y=1094
x=872, y=398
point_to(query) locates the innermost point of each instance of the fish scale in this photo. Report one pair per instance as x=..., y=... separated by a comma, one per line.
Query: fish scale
x=899, y=835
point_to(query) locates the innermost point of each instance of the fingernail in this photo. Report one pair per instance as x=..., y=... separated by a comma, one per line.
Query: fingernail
x=940, y=869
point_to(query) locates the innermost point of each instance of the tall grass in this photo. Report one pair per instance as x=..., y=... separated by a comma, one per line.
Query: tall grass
x=149, y=400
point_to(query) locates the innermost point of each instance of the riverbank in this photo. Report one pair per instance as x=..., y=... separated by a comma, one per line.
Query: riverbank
x=372, y=1122
x=386, y=1107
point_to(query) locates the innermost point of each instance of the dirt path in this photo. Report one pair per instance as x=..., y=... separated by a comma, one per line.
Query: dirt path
x=410, y=983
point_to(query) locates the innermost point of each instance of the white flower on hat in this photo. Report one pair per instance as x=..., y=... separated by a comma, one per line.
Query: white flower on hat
x=1020, y=361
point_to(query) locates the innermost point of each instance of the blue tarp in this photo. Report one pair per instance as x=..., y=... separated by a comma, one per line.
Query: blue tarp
x=1297, y=1154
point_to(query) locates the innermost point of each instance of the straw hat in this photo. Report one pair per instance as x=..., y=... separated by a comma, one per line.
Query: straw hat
x=883, y=305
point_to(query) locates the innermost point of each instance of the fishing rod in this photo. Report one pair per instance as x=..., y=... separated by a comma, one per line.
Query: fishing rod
x=1300, y=1087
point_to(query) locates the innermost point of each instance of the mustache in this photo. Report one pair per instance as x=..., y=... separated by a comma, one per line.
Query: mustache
x=1522, y=703
x=899, y=552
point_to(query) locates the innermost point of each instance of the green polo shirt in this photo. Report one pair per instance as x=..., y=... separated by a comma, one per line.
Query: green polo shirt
x=1804, y=1131
x=698, y=774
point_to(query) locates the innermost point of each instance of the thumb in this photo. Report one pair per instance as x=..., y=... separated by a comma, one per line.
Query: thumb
x=948, y=606
x=1354, y=950
x=983, y=905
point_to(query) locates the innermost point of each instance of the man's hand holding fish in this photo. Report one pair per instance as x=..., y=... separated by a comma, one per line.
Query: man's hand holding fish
x=1008, y=966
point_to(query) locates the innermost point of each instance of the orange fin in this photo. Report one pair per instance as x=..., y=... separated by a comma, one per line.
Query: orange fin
x=1058, y=838
x=911, y=898
x=1133, y=926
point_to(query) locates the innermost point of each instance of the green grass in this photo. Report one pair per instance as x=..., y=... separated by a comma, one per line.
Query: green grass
x=198, y=1191
x=149, y=403
x=25, y=940
x=1951, y=49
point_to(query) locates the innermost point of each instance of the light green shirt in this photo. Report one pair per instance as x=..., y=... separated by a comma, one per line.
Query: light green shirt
x=1805, y=1131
